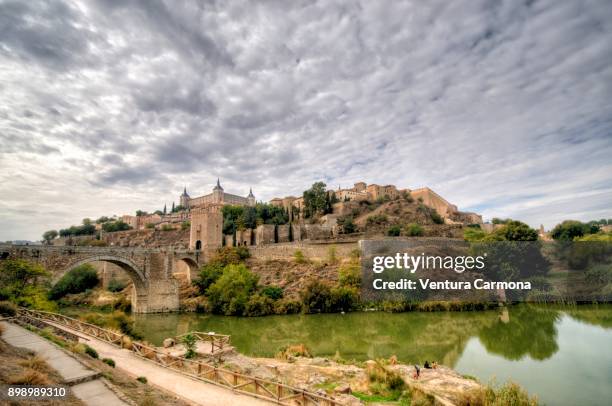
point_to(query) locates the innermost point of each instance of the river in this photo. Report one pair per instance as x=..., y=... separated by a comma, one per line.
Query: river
x=561, y=354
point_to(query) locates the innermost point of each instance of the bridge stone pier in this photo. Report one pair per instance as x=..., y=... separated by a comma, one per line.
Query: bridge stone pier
x=155, y=289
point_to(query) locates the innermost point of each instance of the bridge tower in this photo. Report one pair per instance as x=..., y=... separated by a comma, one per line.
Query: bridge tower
x=206, y=231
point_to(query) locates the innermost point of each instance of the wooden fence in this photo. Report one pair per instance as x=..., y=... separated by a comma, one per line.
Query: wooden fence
x=218, y=341
x=272, y=391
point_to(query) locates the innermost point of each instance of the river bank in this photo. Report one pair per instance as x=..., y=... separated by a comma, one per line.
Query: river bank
x=535, y=346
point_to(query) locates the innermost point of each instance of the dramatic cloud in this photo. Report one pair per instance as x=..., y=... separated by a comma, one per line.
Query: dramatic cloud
x=106, y=107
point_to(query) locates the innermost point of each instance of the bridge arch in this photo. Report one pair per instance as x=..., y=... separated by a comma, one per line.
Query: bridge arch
x=190, y=262
x=131, y=269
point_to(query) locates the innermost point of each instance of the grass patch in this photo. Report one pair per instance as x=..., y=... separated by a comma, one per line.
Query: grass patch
x=91, y=352
x=29, y=377
x=109, y=362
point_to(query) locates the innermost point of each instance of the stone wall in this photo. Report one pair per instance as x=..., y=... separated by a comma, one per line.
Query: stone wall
x=282, y=233
x=147, y=238
x=311, y=250
x=264, y=234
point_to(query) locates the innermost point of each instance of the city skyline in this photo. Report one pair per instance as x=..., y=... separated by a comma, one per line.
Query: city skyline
x=502, y=108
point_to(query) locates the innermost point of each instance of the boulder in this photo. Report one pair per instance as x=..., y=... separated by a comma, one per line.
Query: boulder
x=169, y=342
x=344, y=389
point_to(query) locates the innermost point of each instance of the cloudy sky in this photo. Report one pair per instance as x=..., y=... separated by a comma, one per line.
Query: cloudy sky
x=502, y=107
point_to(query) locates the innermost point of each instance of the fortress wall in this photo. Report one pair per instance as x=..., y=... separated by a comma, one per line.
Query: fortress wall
x=148, y=238
x=311, y=250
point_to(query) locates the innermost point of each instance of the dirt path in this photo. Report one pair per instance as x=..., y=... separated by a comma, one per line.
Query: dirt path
x=198, y=392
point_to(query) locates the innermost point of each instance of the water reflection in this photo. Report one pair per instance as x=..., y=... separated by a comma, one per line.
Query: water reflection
x=538, y=346
x=513, y=333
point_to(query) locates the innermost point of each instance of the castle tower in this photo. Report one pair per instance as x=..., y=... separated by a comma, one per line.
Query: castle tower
x=218, y=193
x=206, y=230
x=184, y=199
x=251, y=198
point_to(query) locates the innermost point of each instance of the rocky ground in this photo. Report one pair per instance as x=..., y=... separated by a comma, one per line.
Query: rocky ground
x=348, y=382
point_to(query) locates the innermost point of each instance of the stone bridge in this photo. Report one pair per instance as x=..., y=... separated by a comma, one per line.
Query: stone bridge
x=151, y=270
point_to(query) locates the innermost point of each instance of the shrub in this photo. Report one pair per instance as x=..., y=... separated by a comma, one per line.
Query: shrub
x=315, y=297
x=208, y=275
x=115, y=285
x=407, y=196
x=474, y=234
x=167, y=227
x=7, y=309
x=150, y=226
x=91, y=352
x=394, y=231
x=376, y=219
x=342, y=298
x=185, y=225
x=286, y=306
x=29, y=377
x=259, y=305
x=355, y=254
x=189, y=341
x=77, y=280
x=435, y=217
x=414, y=230
x=298, y=257
x=349, y=275
x=347, y=224
x=331, y=254
x=109, y=361
x=142, y=379
x=273, y=292
x=36, y=363
x=508, y=394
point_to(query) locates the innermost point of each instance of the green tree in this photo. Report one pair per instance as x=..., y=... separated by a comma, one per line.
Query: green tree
x=316, y=200
x=17, y=274
x=570, y=229
x=513, y=230
x=76, y=280
x=49, y=235
x=230, y=293
x=112, y=226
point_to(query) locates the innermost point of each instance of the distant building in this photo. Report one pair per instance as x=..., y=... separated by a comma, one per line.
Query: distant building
x=218, y=196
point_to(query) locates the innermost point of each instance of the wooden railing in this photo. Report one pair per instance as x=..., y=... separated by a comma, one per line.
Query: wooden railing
x=103, y=334
x=218, y=341
x=272, y=391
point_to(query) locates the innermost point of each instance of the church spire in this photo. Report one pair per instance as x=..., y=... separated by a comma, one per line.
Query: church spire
x=218, y=187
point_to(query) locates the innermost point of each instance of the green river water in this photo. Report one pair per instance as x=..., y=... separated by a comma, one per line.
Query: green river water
x=561, y=354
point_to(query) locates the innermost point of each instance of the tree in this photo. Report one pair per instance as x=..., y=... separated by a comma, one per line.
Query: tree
x=49, y=235
x=316, y=200
x=140, y=213
x=513, y=230
x=230, y=293
x=173, y=209
x=16, y=274
x=164, y=209
x=113, y=226
x=77, y=280
x=570, y=229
